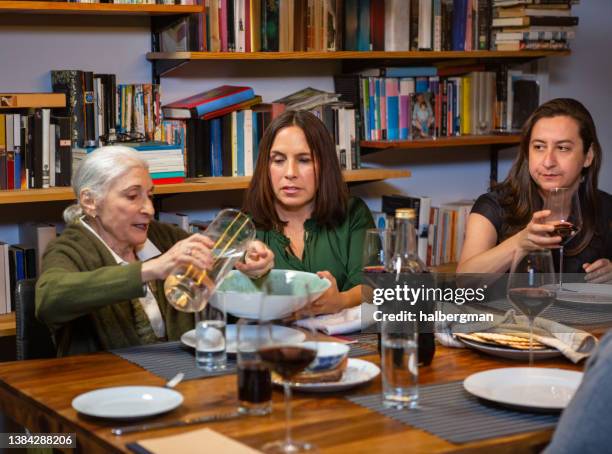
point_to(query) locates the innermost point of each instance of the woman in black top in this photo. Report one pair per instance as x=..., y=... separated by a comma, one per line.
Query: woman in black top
x=559, y=148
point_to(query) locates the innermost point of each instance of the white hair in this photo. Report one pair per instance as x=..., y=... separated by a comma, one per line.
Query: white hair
x=98, y=171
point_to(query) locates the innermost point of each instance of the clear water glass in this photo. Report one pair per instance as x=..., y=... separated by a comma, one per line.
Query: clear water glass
x=400, y=364
x=211, y=341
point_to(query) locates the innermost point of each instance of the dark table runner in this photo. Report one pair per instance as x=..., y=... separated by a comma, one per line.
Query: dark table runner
x=167, y=359
x=451, y=413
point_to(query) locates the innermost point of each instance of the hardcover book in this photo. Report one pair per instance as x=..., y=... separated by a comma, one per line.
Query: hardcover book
x=209, y=101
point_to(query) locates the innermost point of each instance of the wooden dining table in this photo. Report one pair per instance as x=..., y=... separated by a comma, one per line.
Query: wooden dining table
x=37, y=394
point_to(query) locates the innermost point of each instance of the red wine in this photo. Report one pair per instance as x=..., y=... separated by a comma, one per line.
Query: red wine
x=287, y=360
x=566, y=230
x=531, y=301
x=254, y=383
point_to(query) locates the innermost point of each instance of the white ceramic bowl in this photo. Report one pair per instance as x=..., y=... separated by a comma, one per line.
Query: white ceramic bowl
x=242, y=296
x=329, y=355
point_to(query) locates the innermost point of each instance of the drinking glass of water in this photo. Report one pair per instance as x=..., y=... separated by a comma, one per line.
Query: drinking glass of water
x=210, y=338
x=400, y=369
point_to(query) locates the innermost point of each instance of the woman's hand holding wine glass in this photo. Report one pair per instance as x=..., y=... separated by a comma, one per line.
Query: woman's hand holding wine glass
x=565, y=217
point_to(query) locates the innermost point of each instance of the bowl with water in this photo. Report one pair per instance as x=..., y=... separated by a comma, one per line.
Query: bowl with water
x=242, y=296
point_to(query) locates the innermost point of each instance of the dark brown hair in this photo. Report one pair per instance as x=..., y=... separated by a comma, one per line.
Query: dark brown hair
x=519, y=192
x=332, y=194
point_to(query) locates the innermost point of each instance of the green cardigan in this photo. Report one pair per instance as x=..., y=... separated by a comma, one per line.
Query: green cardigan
x=90, y=303
x=338, y=250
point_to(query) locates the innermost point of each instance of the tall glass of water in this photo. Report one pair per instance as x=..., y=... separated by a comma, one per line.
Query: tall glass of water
x=188, y=289
x=400, y=369
x=210, y=338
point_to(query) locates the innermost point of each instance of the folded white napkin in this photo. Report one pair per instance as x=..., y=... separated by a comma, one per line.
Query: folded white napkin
x=343, y=322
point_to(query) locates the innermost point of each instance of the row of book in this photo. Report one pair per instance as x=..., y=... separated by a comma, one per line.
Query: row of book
x=22, y=261
x=523, y=24
x=100, y=110
x=137, y=2
x=440, y=230
x=35, y=150
x=331, y=25
x=406, y=103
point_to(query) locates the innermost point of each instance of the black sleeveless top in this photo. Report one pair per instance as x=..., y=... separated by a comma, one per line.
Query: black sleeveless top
x=600, y=246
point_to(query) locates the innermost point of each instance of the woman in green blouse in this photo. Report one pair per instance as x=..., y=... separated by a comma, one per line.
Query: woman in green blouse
x=302, y=209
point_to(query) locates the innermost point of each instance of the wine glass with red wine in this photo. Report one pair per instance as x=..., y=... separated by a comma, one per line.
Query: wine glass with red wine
x=565, y=216
x=531, y=286
x=287, y=358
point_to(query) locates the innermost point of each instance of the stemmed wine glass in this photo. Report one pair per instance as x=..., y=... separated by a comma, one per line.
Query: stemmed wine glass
x=288, y=359
x=565, y=216
x=531, y=286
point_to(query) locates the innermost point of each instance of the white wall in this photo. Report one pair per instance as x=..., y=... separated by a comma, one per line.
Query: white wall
x=32, y=45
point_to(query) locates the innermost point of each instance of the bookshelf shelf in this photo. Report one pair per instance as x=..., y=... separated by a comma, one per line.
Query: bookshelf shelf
x=442, y=142
x=36, y=7
x=7, y=325
x=196, y=185
x=352, y=55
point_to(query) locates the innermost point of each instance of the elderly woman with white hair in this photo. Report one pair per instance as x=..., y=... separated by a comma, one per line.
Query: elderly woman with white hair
x=102, y=281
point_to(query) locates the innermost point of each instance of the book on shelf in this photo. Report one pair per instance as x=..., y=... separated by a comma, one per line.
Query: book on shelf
x=209, y=101
x=523, y=21
x=37, y=236
x=5, y=282
x=32, y=100
x=521, y=11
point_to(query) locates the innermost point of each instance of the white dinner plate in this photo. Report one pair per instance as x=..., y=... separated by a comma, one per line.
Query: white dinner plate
x=525, y=388
x=600, y=294
x=280, y=333
x=511, y=353
x=127, y=402
x=358, y=371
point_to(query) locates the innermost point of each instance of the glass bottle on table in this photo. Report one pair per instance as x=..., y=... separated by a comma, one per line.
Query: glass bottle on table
x=405, y=260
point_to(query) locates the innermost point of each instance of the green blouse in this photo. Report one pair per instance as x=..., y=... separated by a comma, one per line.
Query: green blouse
x=338, y=250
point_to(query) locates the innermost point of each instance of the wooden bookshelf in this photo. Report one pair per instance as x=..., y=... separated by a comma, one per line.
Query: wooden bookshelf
x=195, y=185
x=7, y=325
x=441, y=142
x=35, y=7
x=353, y=55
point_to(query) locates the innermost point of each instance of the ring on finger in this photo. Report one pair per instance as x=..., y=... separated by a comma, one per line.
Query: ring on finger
x=188, y=251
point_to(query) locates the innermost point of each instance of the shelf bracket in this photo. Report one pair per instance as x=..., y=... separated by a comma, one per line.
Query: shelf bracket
x=494, y=161
x=161, y=67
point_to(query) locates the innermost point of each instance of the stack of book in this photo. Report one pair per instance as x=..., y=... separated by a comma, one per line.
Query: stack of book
x=166, y=161
x=339, y=118
x=223, y=127
x=533, y=25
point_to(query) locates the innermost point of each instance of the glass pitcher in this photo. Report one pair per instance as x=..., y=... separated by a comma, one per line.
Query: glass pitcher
x=189, y=288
